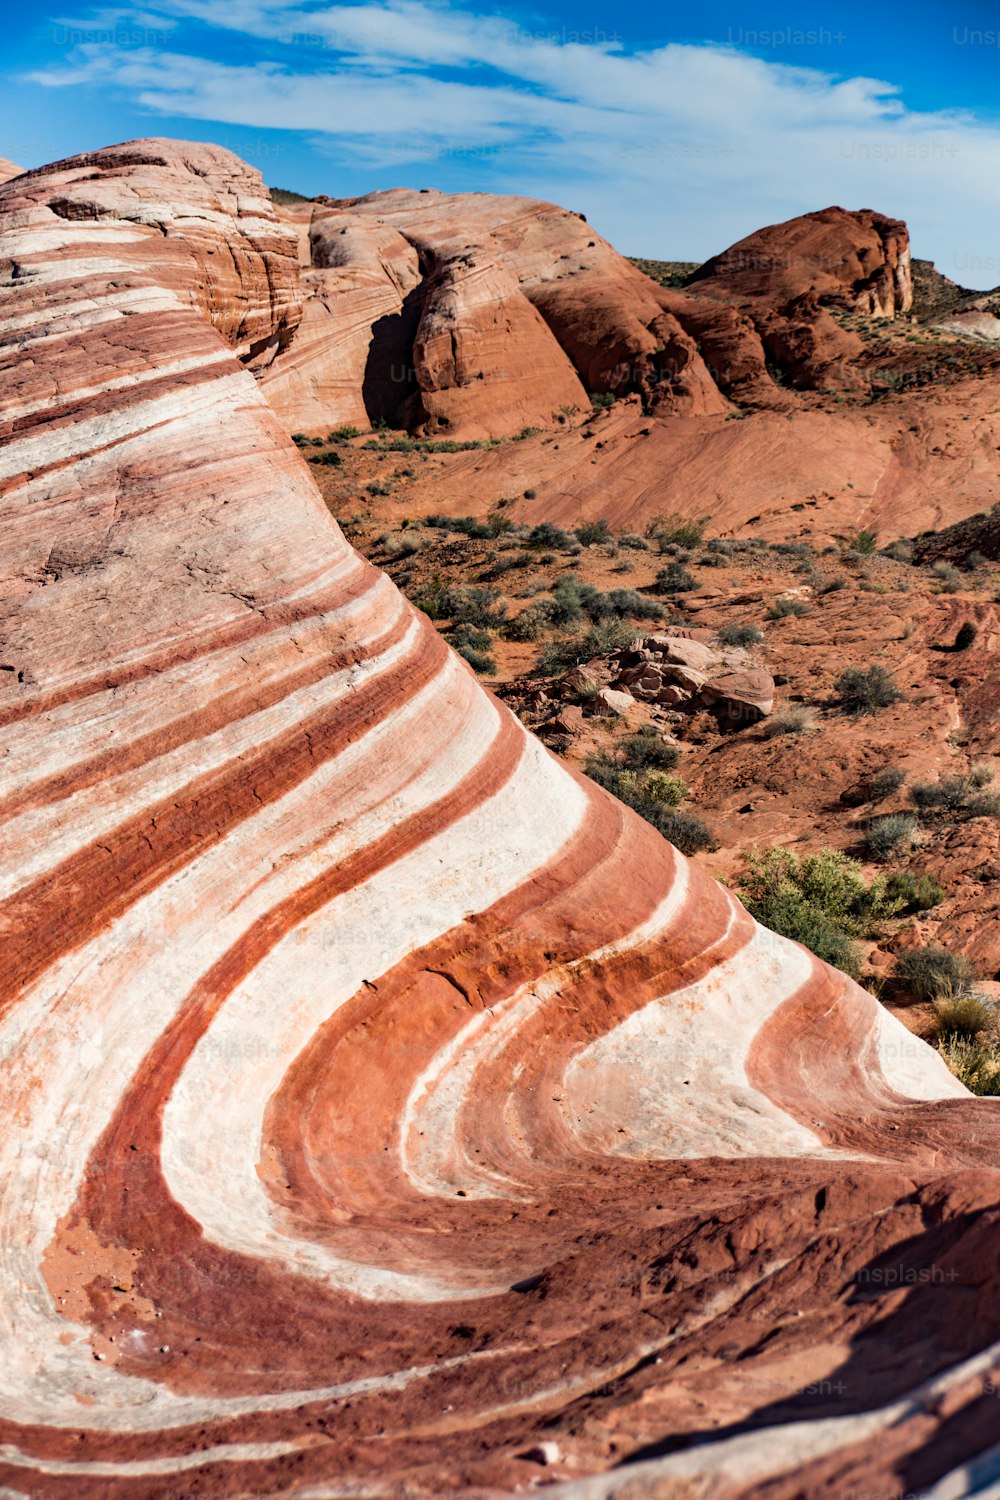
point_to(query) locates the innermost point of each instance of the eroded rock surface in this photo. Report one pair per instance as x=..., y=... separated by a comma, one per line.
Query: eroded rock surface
x=387, y=1107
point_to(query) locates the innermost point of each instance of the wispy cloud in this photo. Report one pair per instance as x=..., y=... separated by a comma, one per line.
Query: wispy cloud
x=678, y=148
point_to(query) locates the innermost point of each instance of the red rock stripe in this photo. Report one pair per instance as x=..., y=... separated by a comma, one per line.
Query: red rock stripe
x=81, y=895
x=225, y=708
x=266, y=619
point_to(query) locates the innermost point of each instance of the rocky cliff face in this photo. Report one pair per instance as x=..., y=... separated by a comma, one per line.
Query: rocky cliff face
x=382, y=1104
x=859, y=261
x=8, y=169
x=787, y=276
x=477, y=315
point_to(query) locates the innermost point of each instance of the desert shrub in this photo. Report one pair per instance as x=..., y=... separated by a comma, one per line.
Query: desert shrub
x=882, y=783
x=863, y=691
x=931, y=972
x=967, y=633
x=379, y=487
x=654, y=794
x=341, y=434
x=883, y=836
x=739, y=633
x=785, y=606
x=470, y=636
x=497, y=524
x=479, y=661
x=529, y=624
x=603, y=638
x=865, y=543
x=798, y=719
x=633, y=542
x=647, y=751
x=673, y=529
x=589, y=532
x=332, y=459
x=633, y=604
x=915, y=892
x=401, y=544
x=832, y=585
x=601, y=400
x=821, y=901
x=959, y=797
x=962, y=1015
x=973, y=1063
x=530, y=494
x=685, y=831
x=974, y=560
x=948, y=576
x=674, y=579
x=546, y=536
x=463, y=606
x=900, y=551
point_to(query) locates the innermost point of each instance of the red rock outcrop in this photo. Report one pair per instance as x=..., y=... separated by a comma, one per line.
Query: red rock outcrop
x=383, y=1105
x=786, y=276
x=856, y=260
x=8, y=169
x=477, y=315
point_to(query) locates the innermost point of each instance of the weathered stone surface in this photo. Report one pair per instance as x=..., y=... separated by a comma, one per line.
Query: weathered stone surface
x=741, y=696
x=378, y=1099
x=615, y=701
x=8, y=169
x=858, y=260
x=477, y=315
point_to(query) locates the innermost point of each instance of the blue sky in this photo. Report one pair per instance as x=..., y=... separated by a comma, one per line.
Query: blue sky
x=676, y=131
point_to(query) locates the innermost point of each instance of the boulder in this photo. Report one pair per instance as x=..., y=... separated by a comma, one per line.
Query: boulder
x=740, y=697
x=615, y=702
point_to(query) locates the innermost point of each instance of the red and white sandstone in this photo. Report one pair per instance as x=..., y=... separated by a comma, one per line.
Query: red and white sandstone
x=381, y=1100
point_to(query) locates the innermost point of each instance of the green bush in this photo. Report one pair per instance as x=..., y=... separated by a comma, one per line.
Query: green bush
x=647, y=751
x=915, y=892
x=654, y=794
x=864, y=691
x=782, y=608
x=963, y=1015
x=332, y=459
x=882, y=784
x=975, y=1064
x=865, y=542
x=738, y=633
x=673, y=529
x=674, y=579
x=589, y=532
x=948, y=576
x=341, y=434
x=883, y=836
x=529, y=624
x=545, y=537
x=479, y=661
x=931, y=972
x=821, y=901
x=960, y=797
x=798, y=719
x=601, y=400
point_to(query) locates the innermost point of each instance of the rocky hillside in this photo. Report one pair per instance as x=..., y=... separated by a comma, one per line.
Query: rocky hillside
x=385, y=1105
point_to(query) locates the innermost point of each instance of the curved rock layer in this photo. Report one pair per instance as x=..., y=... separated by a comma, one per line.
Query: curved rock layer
x=385, y=1109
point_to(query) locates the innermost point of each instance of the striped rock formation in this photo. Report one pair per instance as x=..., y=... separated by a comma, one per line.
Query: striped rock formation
x=385, y=1109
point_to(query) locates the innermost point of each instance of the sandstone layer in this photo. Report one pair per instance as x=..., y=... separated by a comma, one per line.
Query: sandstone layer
x=384, y=1105
x=475, y=315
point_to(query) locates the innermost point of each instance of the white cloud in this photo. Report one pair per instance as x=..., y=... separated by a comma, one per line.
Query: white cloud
x=677, y=150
